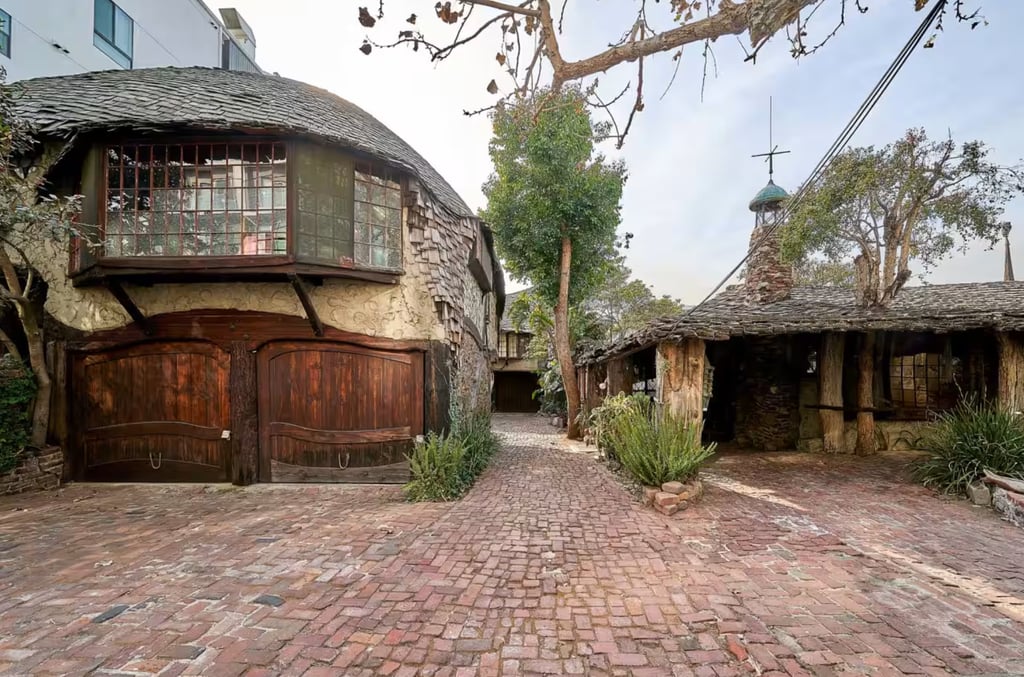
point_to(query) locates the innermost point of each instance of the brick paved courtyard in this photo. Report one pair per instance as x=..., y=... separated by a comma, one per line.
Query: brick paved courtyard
x=792, y=564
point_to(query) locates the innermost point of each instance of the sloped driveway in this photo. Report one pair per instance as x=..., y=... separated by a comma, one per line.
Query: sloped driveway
x=791, y=565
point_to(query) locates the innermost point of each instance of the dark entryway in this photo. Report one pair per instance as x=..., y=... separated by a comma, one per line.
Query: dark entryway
x=513, y=392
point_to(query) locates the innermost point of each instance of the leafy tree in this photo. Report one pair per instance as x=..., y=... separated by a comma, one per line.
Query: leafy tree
x=29, y=217
x=528, y=35
x=819, y=273
x=553, y=202
x=913, y=200
x=622, y=305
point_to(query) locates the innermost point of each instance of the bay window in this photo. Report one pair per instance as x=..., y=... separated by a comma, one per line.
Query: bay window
x=267, y=202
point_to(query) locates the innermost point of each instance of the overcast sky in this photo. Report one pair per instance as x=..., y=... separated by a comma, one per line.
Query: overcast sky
x=690, y=171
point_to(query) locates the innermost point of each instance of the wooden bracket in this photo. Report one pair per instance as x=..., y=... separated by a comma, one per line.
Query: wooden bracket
x=119, y=293
x=301, y=287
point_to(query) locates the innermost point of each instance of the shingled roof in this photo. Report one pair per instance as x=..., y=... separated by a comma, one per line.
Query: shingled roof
x=164, y=99
x=932, y=308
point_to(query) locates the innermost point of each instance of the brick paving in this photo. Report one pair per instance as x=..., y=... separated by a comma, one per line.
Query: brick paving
x=791, y=565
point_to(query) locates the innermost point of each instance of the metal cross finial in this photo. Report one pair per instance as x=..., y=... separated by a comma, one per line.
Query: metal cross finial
x=774, y=150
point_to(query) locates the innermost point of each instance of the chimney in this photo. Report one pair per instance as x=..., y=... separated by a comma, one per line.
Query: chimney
x=768, y=278
x=1008, y=262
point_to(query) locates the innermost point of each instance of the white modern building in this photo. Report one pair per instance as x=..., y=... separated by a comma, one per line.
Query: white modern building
x=60, y=37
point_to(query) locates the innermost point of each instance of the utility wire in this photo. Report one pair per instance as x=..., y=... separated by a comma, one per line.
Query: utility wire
x=837, y=146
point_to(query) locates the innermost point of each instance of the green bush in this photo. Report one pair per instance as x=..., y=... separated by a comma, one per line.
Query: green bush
x=17, y=390
x=444, y=467
x=656, y=446
x=437, y=470
x=601, y=420
x=968, y=439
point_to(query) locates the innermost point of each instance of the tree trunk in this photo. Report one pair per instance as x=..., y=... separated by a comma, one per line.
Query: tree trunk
x=866, y=396
x=563, y=346
x=830, y=393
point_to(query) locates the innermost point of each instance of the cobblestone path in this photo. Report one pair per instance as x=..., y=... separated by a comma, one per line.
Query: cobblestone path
x=791, y=565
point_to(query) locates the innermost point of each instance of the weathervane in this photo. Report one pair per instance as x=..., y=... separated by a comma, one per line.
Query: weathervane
x=770, y=155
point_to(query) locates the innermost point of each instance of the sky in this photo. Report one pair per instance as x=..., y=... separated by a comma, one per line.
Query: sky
x=688, y=156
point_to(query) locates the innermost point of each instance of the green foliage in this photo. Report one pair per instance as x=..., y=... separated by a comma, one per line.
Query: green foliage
x=444, y=467
x=972, y=437
x=914, y=200
x=656, y=446
x=436, y=465
x=818, y=273
x=621, y=304
x=17, y=390
x=548, y=183
x=602, y=419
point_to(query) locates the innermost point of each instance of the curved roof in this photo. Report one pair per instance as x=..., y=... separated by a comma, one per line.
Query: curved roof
x=768, y=195
x=214, y=99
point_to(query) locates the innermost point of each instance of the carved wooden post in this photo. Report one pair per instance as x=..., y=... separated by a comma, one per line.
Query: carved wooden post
x=681, y=378
x=245, y=442
x=866, y=443
x=620, y=376
x=1011, y=371
x=592, y=394
x=830, y=392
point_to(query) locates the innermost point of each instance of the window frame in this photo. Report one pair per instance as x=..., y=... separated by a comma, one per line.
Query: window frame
x=101, y=266
x=108, y=44
x=6, y=31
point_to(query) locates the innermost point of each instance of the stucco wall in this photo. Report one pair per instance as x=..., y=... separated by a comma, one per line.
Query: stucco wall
x=401, y=311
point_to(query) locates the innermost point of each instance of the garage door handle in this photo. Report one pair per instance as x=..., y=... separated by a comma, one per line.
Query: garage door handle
x=346, y=461
x=159, y=460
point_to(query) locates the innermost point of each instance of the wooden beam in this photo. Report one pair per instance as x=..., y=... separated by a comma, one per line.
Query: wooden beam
x=620, y=376
x=437, y=387
x=119, y=293
x=1011, y=370
x=866, y=442
x=680, y=367
x=301, y=288
x=245, y=466
x=830, y=392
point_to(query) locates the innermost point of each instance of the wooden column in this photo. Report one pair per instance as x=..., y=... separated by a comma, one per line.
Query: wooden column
x=1011, y=371
x=620, y=376
x=866, y=443
x=681, y=378
x=245, y=465
x=437, y=387
x=830, y=392
x=592, y=394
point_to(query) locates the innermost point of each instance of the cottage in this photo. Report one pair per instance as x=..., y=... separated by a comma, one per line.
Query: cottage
x=276, y=287
x=782, y=360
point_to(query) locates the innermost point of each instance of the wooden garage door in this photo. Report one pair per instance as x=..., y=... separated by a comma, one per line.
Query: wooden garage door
x=337, y=412
x=153, y=412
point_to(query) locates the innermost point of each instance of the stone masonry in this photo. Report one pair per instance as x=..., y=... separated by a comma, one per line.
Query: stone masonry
x=35, y=472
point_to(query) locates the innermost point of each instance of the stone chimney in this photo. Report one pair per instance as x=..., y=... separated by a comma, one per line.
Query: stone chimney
x=768, y=279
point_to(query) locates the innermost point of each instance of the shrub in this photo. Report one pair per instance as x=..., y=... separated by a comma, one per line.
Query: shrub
x=436, y=465
x=601, y=419
x=656, y=446
x=968, y=439
x=17, y=390
x=444, y=467
x=479, y=442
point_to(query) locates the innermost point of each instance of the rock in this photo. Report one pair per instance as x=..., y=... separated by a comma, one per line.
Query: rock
x=269, y=600
x=692, y=491
x=979, y=493
x=673, y=487
x=649, y=494
x=670, y=509
x=1009, y=505
x=112, y=612
x=663, y=499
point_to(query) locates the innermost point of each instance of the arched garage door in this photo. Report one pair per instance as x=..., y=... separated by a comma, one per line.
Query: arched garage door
x=154, y=412
x=331, y=412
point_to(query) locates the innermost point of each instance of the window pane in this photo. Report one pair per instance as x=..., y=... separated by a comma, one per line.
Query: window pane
x=189, y=200
x=325, y=206
x=123, y=29
x=103, y=19
x=5, y=33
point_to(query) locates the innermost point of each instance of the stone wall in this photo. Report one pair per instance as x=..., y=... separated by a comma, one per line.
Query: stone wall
x=768, y=395
x=767, y=279
x=34, y=473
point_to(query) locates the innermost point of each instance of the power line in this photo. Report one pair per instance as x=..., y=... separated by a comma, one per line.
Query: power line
x=837, y=146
